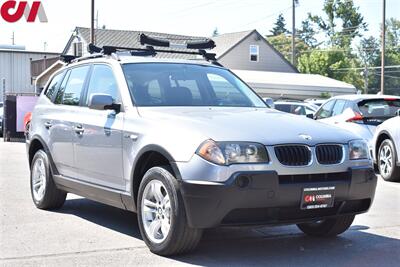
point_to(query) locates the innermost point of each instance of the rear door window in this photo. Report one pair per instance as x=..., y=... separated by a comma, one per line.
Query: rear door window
x=75, y=86
x=54, y=85
x=339, y=107
x=60, y=92
x=326, y=110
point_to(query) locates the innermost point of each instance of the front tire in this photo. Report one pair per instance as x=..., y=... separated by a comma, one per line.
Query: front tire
x=161, y=215
x=387, y=162
x=45, y=194
x=327, y=228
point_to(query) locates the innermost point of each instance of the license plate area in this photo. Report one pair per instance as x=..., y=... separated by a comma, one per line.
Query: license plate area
x=318, y=198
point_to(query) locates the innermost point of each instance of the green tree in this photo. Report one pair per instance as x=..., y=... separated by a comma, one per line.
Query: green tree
x=393, y=33
x=334, y=63
x=368, y=50
x=280, y=26
x=283, y=44
x=368, y=54
x=307, y=34
x=392, y=58
x=342, y=22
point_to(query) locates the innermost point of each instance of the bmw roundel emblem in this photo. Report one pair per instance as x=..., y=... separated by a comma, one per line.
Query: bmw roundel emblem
x=305, y=137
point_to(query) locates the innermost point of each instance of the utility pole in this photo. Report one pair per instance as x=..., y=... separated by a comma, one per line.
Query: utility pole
x=366, y=73
x=383, y=46
x=293, y=32
x=92, y=19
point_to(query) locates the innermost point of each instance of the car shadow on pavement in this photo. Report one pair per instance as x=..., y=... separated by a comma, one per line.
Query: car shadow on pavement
x=260, y=246
x=115, y=219
x=287, y=246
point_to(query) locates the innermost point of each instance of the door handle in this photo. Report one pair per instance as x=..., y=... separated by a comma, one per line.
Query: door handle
x=48, y=124
x=79, y=129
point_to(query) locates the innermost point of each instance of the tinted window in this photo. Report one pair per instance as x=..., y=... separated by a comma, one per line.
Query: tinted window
x=167, y=84
x=326, y=110
x=379, y=107
x=53, y=86
x=298, y=110
x=102, y=81
x=339, y=107
x=309, y=111
x=60, y=92
x=74, y=87
x=283, y=107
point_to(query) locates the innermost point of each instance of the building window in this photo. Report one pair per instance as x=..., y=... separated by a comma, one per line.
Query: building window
x=254, y=53
x=78, y=49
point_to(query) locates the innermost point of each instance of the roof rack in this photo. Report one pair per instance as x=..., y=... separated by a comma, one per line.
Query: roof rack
x=149, y=50
x=67, y=58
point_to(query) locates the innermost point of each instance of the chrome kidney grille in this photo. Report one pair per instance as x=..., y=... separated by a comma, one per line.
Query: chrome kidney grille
x=293, y=155
x=329, y=154
x=301, y=155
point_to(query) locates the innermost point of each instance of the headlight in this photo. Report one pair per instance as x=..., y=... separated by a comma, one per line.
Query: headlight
x=358, y=149
x=226, y=153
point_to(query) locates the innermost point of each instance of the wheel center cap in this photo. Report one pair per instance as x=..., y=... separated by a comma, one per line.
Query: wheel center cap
x=160, y=211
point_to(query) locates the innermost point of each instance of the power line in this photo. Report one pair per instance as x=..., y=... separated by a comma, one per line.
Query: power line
x=386, y=67
x=266, y=17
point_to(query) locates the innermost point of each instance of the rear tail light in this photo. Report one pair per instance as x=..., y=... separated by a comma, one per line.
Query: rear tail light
x=357, y=118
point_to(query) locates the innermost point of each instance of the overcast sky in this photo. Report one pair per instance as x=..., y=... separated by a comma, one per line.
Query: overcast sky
x=187, y=17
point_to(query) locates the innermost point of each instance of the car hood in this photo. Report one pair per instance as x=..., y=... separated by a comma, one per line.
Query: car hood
x=261, y=125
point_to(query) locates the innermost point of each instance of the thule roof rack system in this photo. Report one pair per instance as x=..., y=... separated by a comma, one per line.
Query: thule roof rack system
x=188, y=48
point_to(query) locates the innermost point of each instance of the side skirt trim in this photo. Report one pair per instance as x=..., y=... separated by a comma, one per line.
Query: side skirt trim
x=108, y=196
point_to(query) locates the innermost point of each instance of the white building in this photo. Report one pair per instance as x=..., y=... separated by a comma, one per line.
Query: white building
x=293, y=85
x=16, y=69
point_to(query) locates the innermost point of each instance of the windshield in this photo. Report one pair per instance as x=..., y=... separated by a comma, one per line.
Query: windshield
x=379, y=107
x=169, y=84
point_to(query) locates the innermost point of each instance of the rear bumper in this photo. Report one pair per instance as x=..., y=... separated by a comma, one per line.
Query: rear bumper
x=267, y=198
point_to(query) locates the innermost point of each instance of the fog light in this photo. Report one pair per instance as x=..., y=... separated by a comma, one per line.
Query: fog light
x=242, y=181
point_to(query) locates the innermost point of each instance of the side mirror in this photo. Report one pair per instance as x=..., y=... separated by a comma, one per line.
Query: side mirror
x=310, y=116
x=103, y=102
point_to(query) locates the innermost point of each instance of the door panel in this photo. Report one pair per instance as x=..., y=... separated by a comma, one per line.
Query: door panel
x=56, y=122
x=98, y=134
x=61, y=125
x=98, y=148
x=61, y=138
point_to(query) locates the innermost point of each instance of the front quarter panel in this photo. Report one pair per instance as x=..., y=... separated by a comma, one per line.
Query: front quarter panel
x=141, y=134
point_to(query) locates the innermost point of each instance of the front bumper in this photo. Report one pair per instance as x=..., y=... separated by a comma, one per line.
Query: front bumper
x=264, y=197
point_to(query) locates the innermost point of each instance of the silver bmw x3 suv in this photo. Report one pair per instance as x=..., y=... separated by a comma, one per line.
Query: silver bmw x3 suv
x=188, y=146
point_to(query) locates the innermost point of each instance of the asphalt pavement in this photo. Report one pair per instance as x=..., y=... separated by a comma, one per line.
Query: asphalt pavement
x=86, y=233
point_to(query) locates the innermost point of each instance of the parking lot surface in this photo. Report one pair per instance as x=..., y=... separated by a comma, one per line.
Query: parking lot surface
x=86, y=233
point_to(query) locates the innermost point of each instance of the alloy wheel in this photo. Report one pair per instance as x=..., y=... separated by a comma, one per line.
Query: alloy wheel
x=156, y=211
x=386, y=160
x=39, y=179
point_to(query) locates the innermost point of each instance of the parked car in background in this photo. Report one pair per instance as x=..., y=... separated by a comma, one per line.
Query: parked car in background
x=315, y=101
x=1, y=119
x=269, y=101
x=27, y=124
x=387, y=149
x=360, y=114
x=298, y=108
